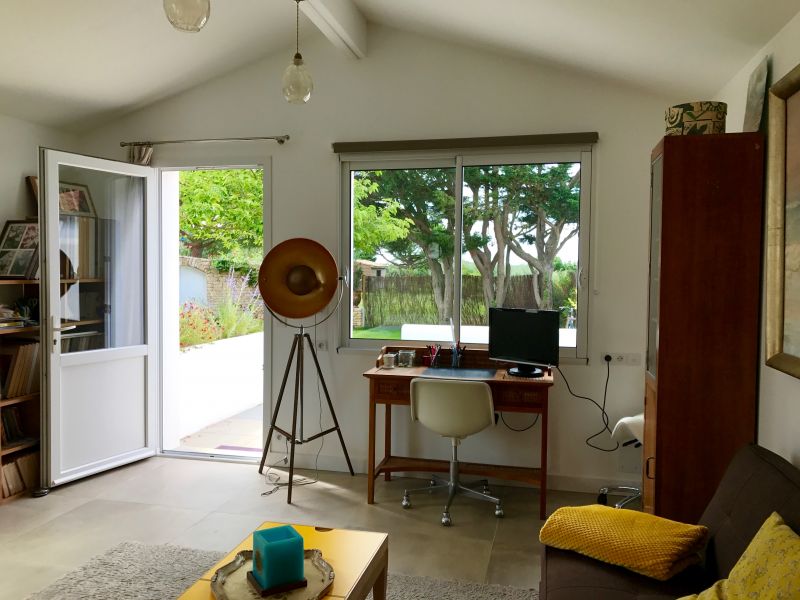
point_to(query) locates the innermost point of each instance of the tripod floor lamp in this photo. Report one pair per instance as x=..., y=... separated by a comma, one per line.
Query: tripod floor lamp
x=297, y=280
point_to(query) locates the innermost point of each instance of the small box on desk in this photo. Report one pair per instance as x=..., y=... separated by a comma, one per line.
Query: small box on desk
x=278, y=560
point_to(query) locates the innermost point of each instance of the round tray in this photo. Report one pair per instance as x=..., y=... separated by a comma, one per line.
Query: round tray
x=230, y=581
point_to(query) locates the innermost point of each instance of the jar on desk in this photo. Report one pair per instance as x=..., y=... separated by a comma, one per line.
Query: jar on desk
x=405, y=358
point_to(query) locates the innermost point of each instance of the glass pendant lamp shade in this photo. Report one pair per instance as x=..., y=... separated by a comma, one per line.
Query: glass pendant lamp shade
x=297, y=82
x=187, y=15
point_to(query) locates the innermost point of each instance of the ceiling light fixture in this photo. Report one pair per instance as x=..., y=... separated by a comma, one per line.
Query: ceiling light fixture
x=297, y=82
x=187, y=15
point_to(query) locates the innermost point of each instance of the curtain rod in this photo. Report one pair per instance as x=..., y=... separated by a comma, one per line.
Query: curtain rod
x=281, y=139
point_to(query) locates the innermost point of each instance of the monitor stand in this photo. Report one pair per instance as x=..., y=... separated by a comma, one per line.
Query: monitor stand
x=525, y=371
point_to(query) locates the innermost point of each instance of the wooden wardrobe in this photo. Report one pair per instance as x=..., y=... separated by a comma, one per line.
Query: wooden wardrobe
x=701, y=380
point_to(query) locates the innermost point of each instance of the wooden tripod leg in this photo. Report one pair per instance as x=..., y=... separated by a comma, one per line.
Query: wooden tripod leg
x=330, y=404
x=298, y=392
x=277, y=406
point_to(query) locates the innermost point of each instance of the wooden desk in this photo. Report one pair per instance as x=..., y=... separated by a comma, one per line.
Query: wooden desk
x=510, y=394
x=359, y=559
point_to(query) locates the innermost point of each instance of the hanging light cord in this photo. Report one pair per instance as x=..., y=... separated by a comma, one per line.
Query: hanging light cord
x=297, y=28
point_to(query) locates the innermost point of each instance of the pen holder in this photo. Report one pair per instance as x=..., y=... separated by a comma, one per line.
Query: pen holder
x=455, y=360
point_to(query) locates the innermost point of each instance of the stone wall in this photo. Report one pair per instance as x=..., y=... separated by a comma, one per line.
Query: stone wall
x=215, y=281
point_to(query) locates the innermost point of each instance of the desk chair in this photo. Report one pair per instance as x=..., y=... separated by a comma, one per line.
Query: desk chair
x=631, y=430
x=454, y=409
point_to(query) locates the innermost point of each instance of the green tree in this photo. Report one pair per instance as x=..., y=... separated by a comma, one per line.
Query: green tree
x=375, y=224
x=517, y=208
x=221, y=210
x=425, y=199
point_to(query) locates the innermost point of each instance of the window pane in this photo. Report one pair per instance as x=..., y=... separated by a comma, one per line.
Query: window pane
x=403, y=240
x=520, y=243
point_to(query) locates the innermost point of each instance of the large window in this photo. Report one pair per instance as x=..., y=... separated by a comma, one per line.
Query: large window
x=433, y=243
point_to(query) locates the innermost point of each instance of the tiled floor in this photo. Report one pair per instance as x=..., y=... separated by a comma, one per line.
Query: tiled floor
x=213, y=505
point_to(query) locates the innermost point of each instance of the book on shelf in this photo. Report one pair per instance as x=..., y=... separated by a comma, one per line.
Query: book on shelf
x=28, y=465
x=10, y=424
x=12, y=480
x=19, y=368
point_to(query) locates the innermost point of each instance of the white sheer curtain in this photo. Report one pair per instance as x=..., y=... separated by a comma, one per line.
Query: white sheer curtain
x=124, y=233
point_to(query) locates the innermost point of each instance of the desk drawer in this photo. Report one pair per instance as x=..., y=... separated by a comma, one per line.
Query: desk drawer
x=391, y=390
x=507, y=398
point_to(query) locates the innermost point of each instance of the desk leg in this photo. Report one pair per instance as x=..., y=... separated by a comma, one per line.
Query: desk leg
x=543, y=483
x=387, y=438
x=371, y=449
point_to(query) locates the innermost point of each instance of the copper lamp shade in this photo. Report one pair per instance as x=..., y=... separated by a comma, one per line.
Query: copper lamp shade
x=297, y=278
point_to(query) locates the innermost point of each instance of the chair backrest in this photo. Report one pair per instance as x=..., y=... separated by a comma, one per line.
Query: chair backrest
x=450, y=407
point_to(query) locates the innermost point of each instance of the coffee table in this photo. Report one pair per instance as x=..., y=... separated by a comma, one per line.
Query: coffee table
x=359, y=560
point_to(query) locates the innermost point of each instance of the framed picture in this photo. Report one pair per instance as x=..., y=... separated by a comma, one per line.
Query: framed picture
x=19, y=244
x=74, y=199
x=783, y=226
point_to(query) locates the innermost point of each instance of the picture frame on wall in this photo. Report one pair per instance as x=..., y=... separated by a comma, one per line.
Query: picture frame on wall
x=74, y=199
x=19, y=245
x=783, y=226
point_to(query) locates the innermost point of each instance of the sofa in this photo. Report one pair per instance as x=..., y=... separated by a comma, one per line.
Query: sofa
x=756, y=483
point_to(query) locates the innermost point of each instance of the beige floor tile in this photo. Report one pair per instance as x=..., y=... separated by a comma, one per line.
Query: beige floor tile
x=28, y=577
x=512, y=567
x=217, y=531
x=74, y=537
x=25, y=514
x=180, y=483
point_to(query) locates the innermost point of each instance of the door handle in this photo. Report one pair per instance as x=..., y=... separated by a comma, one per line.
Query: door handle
x=647, y=467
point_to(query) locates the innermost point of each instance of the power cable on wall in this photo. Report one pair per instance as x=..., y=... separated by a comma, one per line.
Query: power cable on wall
x=602, y=407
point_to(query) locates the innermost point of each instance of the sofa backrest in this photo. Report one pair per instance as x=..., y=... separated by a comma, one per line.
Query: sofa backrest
x=756, y=483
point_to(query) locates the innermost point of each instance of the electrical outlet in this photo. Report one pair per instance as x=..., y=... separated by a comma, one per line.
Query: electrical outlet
x=322, y=345
x=631, y=359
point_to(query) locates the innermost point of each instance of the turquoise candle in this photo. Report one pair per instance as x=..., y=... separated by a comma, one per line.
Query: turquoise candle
x=278, y=556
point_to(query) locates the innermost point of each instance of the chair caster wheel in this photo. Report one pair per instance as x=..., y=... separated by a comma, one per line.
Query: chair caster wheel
x=406, y=503
x=602, y=499
x=446, y=519
x=498, y=512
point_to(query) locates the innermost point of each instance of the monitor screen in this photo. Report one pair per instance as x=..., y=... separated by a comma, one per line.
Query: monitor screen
x=524, y=336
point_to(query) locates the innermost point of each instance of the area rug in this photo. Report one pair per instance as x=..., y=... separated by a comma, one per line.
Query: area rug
x=134, y=571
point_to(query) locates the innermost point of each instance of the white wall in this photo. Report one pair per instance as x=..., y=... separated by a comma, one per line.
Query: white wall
x=779, y=400
x=413, y=87
x=19, y=157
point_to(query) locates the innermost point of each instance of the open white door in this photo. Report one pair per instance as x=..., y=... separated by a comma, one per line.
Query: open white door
x=99, y=313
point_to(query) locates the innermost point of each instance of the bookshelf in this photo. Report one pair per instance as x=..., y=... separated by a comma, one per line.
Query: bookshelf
x=20, y=398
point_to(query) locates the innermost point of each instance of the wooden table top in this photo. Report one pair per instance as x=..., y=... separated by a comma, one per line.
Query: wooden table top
x=500, y=376
x=349, y=552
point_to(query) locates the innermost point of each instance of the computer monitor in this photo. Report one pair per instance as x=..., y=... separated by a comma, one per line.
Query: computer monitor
x=525, y=336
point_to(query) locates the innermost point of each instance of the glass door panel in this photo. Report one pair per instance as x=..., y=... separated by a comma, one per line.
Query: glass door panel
x=101, y=259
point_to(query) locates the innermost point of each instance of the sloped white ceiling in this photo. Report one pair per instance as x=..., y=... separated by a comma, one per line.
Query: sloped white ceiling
x=73, y=64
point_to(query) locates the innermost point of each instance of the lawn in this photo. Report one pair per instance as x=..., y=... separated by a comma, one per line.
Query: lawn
x=378, y=333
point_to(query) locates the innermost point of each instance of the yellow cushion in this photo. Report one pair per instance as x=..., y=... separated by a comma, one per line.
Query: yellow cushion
x=769, y=569
x=646, y=544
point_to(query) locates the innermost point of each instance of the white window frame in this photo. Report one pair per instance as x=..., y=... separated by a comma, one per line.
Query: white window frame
x=458, y=159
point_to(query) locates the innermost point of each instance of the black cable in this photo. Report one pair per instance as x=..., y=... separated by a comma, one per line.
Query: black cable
x=503, y=419
x=602, y=408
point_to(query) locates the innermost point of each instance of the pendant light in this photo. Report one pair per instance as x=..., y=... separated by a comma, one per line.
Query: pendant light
x=297, y=83
x=187, y=15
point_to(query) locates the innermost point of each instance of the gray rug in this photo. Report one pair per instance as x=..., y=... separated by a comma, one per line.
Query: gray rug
x=134, y=571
